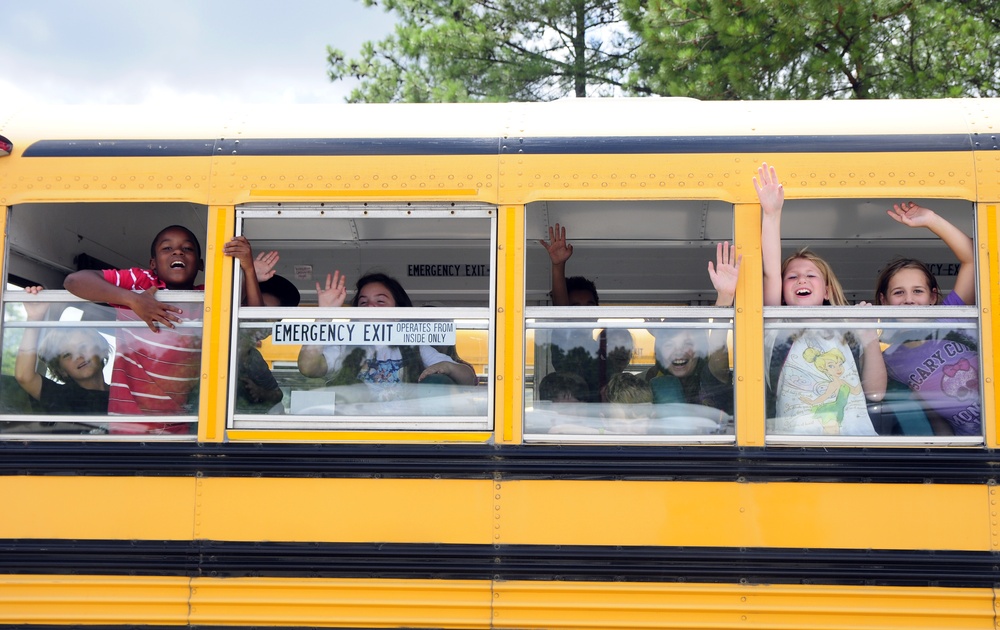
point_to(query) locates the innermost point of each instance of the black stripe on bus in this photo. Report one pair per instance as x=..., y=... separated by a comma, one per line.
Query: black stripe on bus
x=264, y=147
x=896, y=143
x=487, y=461
x=892, y=143
x=121, y=148
x=964, y=569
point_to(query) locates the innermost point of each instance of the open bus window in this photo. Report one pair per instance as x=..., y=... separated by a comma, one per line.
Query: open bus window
x=635, y=310
x=421, y=361
x=822, y=363
x=71, y=366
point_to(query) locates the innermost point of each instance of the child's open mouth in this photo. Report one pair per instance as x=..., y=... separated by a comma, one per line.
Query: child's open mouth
x=803, y=292
x=178, y=264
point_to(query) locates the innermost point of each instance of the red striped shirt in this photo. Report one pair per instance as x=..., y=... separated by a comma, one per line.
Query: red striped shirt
x=154, y=373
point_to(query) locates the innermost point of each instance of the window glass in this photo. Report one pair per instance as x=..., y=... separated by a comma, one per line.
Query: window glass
x=621, y=377
x=71, y=366
x=906, y=369
x=823, y=380
x=420, y=360
x=60, y=358
x=624, y=342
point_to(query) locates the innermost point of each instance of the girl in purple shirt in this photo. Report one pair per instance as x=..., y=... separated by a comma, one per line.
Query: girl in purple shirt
x=941, y=367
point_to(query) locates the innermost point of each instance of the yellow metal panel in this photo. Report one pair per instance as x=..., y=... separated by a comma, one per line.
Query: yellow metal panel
x=509, y=386
x=727, y=176
x=614, y=606
x=828, y=515
x=240, y=179
x=358, y=603
x=94, y=599
x=748, y=329
x=4, y=216
x=149, y=508
x=345, y=510
x=988, y=240
x=215, y=332
x=319, y=603
x=988, y=164
x=108, y=179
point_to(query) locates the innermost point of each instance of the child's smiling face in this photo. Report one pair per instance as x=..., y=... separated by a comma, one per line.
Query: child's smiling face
x=176, y=258
x=677, y=353
x=82, y=359
x=803, y=284
x=909, y=287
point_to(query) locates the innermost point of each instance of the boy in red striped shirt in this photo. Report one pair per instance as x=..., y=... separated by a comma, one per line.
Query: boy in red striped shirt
x=157, y=369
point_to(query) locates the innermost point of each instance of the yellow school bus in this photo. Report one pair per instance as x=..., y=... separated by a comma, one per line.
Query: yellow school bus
x=536, y=494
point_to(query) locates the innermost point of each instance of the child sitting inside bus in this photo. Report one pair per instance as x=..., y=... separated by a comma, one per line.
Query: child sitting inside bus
x=941, y=367
x=257, y=390
x=627, y=412
x=801, y=390
x=380, y=367
x=692, y=366
x=562, y=387
x=75, y=356
x=597, y=356
x=156, y=370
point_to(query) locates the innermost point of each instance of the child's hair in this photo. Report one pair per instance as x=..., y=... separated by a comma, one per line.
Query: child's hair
x=562, y=383
x=579, y=283
x=281, y=288
x=156, y=239
x=836, y=292
x=395, y=288
x=618, y=344
x=629, y=388
x=897, y=265
x=55, y=344
x=818, y=357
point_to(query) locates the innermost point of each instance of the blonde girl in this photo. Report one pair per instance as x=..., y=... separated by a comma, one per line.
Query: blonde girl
x=805, y=279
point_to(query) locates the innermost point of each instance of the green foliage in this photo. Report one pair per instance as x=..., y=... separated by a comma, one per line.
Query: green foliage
x=525, y=50
x=807, y=49
x=491, y=50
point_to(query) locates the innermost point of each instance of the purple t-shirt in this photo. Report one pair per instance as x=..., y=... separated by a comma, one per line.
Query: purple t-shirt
x=944, y=373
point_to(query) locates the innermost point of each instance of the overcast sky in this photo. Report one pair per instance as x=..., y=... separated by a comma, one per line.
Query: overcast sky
x=140, y=51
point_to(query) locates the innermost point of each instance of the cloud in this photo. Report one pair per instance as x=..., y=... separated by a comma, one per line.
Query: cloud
x=121, y=51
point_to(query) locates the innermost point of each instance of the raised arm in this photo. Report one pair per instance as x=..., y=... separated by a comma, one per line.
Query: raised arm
x=27, y=354
x=912, y=215
x=559, y=252
x=772, y=197
x=724, y=274
x=239, y=248
x=312, y=362
x=91, y=285
x=264, y=264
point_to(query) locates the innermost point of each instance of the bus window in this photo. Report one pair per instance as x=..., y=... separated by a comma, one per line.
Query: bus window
x=419, y=362
x=639, y=356
x=75, y=367
x=905, y=369
x=600, y=388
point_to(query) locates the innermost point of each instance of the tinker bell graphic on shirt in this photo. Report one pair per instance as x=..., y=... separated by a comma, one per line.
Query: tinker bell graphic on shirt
x=833, y=396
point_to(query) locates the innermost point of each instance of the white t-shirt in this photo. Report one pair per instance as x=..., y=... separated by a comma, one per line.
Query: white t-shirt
x=819, y=389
